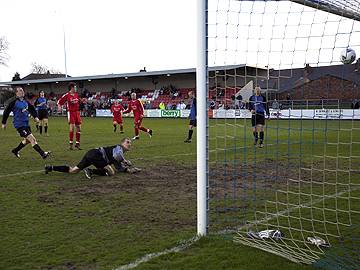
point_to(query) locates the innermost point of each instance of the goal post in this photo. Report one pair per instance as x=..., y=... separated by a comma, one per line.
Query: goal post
x=202, y=128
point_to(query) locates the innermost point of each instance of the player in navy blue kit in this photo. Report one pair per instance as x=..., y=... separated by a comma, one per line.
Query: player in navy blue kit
x=102, y=158
x=42, y=110
x=21, y=109
x=192, y=117
x=258, y=107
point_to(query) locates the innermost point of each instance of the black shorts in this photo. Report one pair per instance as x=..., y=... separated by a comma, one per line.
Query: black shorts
x=192, y=123
x=258, y=119
x=24, y=131
x=43, y=114
x=92, y=157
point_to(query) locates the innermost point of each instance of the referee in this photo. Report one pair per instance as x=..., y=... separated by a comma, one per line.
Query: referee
x=258, y=107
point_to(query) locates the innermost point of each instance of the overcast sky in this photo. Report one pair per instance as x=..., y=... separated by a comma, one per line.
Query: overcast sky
x=121, y=36
x=102, y=37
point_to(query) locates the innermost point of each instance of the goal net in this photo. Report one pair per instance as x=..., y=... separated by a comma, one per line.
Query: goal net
x=290, y=186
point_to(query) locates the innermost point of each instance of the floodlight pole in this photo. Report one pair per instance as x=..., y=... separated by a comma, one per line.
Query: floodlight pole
x=202, y=119
x=64, y=38
x=66, y=74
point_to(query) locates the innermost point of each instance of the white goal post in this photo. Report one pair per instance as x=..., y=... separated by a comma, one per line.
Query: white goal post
x=202, y=131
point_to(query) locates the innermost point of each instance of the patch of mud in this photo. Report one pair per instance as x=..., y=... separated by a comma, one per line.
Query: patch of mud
x=161, y=195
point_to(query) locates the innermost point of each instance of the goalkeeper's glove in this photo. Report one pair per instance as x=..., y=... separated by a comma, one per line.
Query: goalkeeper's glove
x=127, y=162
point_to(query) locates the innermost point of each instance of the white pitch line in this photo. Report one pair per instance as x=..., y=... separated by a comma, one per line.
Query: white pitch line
x=21, y=173
x=185, y=244
x=30, y=172
x=153, y=157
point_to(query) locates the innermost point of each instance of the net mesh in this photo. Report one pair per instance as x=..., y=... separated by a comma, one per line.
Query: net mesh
x=299, y=195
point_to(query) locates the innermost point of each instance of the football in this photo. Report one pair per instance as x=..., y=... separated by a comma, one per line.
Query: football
x=347, y=56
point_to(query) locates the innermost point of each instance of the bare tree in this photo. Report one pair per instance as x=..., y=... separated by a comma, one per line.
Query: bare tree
x=4, y=46
x=38, y=68
x=42, y=69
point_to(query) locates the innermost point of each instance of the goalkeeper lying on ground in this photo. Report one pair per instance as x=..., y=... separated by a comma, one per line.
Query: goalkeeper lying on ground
x=102, y=158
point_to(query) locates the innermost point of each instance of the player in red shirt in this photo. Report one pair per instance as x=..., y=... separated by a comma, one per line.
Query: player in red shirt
x=72, y=101
x=137, y=108
x=117, y=110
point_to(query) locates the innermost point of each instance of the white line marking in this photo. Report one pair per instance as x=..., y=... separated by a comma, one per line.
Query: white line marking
x=185, y=244
x=153, y=157
x=21, y=173
x=39, y=171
